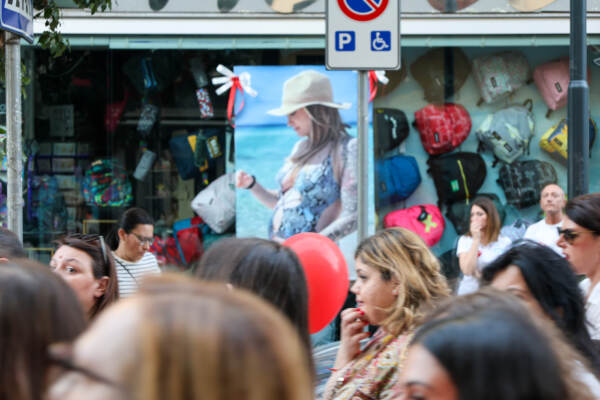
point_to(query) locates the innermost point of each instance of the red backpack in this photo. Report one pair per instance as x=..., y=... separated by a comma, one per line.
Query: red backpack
x=425, y=220
x=442, y=128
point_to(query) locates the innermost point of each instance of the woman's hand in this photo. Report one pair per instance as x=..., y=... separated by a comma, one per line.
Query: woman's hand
x=476, y=230
x=352, y=326
x=242, y=179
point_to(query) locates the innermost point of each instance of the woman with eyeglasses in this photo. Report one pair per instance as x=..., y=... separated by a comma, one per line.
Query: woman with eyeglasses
x=579, y=239
x=131, y=243
x=85, y=263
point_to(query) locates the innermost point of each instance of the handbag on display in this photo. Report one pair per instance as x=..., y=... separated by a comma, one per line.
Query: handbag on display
x=215, y=204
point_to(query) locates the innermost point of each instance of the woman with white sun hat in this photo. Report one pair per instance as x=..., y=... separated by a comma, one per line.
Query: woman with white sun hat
x=317, y=183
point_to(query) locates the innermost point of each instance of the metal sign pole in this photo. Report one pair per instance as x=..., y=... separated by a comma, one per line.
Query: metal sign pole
x=578, y=104
x=363, y=148
x=13, y=137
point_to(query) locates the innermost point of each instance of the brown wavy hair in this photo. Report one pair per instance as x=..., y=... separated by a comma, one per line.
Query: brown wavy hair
x=327, y=127
x=401, y=255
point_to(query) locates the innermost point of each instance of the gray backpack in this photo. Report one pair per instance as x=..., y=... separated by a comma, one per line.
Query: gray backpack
x=507, y=132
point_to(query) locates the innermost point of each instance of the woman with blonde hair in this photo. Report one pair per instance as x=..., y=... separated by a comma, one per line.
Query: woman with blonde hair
x=480, y=245
x=181, y=339
x=398, y=280
x=317, y=183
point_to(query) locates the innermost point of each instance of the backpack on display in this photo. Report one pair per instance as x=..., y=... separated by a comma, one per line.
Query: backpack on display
x=516, y=230
x=499, y=75
x=555, y=140
x=450, y=5
x=105, y=184
x=188, y=238
x=457, y=176
x=397, y=177
x=450, y=268
x=523, y=181
x=166, y=251
x=391, y=129
x=552, y=80
x=46, y=210
x=425, y=220
x=441, y=73
x=507, y=132
x=442, y=128
x=183, y=155
x=459, y=212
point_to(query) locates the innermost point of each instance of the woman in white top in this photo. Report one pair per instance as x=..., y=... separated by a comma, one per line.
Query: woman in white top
x=480, y=245
x=579, y=238
x=130, y=245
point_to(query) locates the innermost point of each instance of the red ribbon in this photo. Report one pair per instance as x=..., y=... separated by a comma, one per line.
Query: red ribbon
x=373, y=80
x=230, y=103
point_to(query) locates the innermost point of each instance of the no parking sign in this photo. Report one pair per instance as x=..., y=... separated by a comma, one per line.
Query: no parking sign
x=363, y=34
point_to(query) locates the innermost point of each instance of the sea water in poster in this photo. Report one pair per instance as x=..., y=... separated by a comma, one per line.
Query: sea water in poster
x=263, y=141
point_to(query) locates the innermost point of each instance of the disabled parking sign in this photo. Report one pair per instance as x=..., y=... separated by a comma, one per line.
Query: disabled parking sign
x=363, y=34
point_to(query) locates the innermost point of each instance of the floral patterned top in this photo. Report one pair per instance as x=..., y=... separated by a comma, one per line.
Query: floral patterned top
x=375, y=373
x=316, y=187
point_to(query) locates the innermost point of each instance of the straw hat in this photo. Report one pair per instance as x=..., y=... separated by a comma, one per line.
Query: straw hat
x=529, y=5
x=307, y=88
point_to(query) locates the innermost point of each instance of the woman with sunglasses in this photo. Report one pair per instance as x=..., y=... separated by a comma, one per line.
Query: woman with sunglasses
x=84, y=262
x=579, y=239
x=130, y=244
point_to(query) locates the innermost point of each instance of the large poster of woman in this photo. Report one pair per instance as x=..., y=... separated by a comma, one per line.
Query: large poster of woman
x=295, y=154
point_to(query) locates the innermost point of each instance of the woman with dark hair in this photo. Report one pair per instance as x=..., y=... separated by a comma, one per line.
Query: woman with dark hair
x=181, y=339
x=480, y=245
x=487, y=345
x=85, y=263
x=131, y=244
x=264, y=267
x=579, y=238
x=545, y=282
x=398, y=279
x=317, y=184
x=37, y=308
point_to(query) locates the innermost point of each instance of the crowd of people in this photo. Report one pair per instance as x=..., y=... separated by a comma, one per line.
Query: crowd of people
x=103, y=322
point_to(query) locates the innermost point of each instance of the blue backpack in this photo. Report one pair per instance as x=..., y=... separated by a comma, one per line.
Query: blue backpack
x=396, y=178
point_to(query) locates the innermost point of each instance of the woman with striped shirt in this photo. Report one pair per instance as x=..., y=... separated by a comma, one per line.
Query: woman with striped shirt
x=133, y=261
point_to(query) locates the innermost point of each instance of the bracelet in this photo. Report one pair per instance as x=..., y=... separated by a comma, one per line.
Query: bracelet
x=250, y=186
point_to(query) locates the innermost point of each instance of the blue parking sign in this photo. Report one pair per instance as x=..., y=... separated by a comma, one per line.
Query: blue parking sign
x=345, y=41
x=381, y=40
x=16, y=16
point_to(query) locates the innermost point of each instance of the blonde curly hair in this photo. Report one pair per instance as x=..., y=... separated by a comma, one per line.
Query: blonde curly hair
x=401, y=256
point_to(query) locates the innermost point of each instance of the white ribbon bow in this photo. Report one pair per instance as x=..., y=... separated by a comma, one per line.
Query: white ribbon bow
x=380, y=74
x=226, y=81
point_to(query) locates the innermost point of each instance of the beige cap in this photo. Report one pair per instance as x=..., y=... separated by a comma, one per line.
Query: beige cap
x=530, y=5
x=304, y=89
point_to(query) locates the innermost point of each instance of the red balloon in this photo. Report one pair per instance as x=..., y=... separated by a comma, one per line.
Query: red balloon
x=326, y=275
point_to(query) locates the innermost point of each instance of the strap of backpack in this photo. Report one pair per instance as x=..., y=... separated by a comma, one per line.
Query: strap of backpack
x=495, y=162
x=464, y=178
